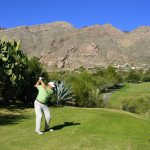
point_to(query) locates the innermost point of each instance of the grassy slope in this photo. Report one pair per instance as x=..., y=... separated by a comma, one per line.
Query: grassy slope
x=99, y=129
x=135, y=90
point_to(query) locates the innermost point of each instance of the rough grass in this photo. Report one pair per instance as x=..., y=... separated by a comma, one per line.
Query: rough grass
x=129, y=90
x=75, y=129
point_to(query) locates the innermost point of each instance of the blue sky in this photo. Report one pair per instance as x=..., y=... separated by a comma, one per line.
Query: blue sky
x=123, y=14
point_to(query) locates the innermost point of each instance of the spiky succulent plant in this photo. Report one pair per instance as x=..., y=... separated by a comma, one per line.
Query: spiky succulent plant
x=63, y=92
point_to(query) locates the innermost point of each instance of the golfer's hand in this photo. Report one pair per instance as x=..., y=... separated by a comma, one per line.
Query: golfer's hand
x=40, y=78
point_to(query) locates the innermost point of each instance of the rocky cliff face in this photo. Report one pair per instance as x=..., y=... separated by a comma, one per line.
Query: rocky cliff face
x=60, y=46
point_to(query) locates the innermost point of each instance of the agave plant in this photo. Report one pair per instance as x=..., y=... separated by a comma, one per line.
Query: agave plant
x=63, y=93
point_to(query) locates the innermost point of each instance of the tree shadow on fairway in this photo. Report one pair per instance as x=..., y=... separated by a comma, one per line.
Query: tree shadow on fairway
x=10, y=119
x=66, y=124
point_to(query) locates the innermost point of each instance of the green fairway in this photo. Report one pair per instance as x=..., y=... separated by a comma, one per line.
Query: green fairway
x=129, y=90
x=75, y=129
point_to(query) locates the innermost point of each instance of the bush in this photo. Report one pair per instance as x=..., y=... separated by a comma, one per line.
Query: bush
x=34, y=71
x=139, y=105
x=87, y=86
x=146, y=76
x=130, y=104
x=85, y=89
x=95, y=100
x=133, y=76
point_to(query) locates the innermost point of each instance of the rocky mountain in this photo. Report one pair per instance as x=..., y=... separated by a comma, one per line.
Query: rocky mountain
x=60, y=46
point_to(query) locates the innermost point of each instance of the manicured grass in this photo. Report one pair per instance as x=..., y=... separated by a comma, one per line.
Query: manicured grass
x=85, y=129
x=129, y=90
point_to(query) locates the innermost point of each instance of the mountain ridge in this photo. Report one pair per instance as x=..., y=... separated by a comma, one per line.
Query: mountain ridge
x=60, y=46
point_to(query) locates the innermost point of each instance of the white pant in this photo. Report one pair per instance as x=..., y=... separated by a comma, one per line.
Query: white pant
x=39, y=110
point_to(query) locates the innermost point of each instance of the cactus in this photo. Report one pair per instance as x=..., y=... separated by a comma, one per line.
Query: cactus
x=1, y=56
x=5, y=48
x=63, y=92
x=9, y=72
x=13, y=78
x=5, y=58
x=12, y=60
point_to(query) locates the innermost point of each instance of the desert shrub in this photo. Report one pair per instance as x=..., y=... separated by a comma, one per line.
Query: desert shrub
x=133, y=76
x=146, y=76
x=129, y=104
x=84, y=87
x=139, y=105
x=111, y=76
x=88, y=86
x=58, y=76
x=95, y=100
x=81, y=90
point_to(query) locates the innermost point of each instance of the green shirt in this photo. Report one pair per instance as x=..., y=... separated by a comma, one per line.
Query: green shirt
x=44, y=94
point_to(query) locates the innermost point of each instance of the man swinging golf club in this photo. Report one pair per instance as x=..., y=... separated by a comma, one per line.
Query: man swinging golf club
x=40, y=104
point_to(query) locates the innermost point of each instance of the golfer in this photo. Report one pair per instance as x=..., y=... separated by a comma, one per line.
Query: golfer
x=40, y=104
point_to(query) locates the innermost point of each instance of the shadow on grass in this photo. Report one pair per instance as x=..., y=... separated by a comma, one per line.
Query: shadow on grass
x=66, y=124
x=10, y=119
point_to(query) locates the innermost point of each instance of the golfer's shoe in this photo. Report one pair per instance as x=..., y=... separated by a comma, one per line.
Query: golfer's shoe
x=39, y=132
x=51, y=130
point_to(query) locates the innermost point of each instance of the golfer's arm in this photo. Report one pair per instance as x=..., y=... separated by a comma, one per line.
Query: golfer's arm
x=43, y=84
x=37, y=83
